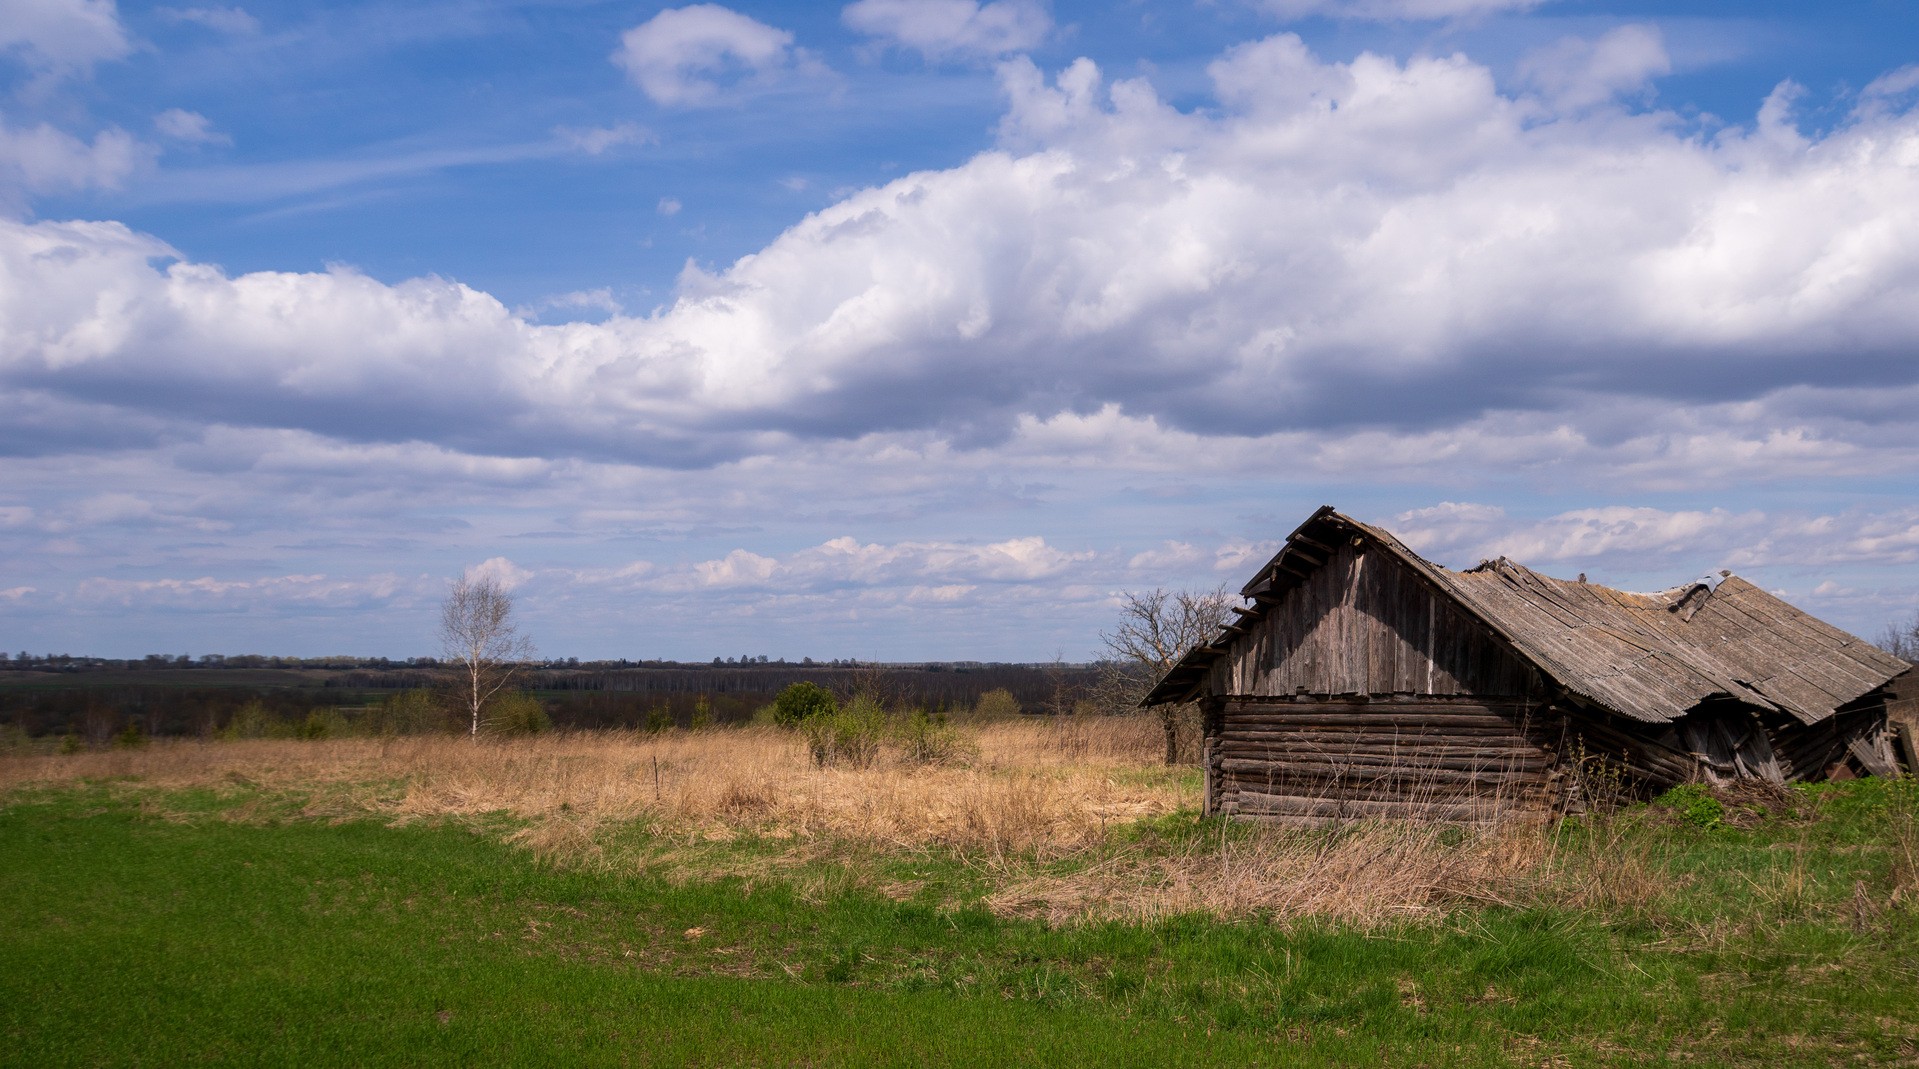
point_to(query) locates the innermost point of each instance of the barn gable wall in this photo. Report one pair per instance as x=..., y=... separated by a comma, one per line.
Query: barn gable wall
x=1363, y=623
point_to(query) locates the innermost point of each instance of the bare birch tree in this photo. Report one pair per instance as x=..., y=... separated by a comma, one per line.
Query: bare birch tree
x=1155, y=630
x=478, y=633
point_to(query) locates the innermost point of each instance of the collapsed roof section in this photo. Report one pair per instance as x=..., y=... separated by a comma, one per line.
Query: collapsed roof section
x=1648, y=657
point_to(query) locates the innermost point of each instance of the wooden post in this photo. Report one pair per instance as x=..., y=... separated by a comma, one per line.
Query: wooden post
x=1206, y=776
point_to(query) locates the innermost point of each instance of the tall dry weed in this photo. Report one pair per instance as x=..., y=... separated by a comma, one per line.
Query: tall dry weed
x=1366, y=873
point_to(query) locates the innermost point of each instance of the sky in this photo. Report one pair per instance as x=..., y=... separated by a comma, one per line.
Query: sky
x=925, y=329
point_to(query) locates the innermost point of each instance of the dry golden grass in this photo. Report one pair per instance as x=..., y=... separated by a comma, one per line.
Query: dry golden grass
x=1034, y=786
x=1367, y=874
x=1035, y=813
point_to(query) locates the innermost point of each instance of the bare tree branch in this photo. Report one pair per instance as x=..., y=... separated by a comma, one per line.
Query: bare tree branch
x=1902, y=639
x=1155, y=630
x=477, y=632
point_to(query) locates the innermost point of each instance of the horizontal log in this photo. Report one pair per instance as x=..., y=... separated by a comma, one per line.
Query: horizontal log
x=1246, y=768
x=1406, y=731
x=1363, y=739
x=1424, y=792
x=1394, y=718
x=1394, y=779
x=1240, y=761
x=1324, y=808
x=1429, y=702
x=1232, y=759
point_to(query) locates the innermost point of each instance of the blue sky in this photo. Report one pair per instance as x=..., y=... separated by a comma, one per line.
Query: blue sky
x=921, y=328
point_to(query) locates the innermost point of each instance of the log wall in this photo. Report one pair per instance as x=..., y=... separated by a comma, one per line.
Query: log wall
x=1310, y=760
x=1366, y=624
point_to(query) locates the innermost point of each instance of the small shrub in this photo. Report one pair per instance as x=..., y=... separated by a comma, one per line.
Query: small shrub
x=1694, y=804
x=996, y=704
x=408, y=712
x=658, y=719
x=849, y=736
x=14, y=739
x=71, y=743
x=929, y=740
x=702, y=714
x=250, y=721
x=801, y=702
x=130, y=737
x=516, y=713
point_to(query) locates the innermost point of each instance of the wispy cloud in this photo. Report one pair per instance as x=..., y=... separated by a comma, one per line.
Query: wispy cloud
x=952, y=29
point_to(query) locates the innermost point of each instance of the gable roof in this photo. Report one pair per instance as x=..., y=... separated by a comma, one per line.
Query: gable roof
x=1649, y=657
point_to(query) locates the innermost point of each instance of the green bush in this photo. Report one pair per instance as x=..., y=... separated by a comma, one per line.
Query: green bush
x=515, y=712
x=659, y=718
x=14, y=739
x=996, y=704
x=250, y=721
x=849, y=736
x=801, y=702
x=1695, y=805
x=408, y=712
x=702, y=714
x=929, y=740
x=130, y=737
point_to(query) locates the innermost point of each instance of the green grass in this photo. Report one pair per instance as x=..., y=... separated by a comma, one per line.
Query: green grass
x=133, y=938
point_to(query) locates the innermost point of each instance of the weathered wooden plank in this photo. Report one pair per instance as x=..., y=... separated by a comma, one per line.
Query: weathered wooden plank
x=1529, y=756
x=1457, y=769
x=1387, y=734
x=1287, y=805
x=1383, y=721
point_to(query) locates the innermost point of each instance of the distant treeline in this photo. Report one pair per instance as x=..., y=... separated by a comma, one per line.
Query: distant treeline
x=67, y=662
x=96, y=703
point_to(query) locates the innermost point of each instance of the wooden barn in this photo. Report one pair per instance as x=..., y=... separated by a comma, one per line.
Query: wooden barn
x=1365, y=681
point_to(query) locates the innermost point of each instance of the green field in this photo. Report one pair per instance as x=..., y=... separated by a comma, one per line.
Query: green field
x=149, y=927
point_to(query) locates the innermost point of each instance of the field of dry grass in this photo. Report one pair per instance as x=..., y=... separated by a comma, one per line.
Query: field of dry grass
x=1031, y=787
x=1048, y=815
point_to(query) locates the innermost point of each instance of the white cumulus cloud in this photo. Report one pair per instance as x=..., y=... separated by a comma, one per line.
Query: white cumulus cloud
x=691, y=55
x=1374, y=264
x=59, y=37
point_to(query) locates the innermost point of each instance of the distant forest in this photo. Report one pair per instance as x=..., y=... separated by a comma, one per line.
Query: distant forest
x=96, y=699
